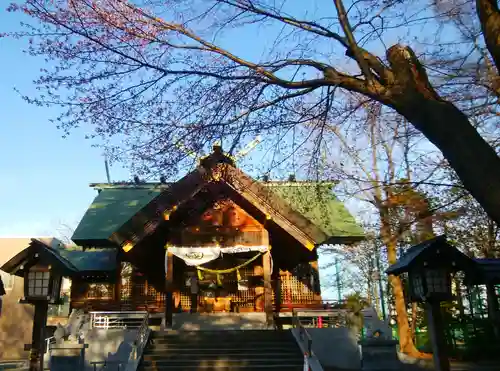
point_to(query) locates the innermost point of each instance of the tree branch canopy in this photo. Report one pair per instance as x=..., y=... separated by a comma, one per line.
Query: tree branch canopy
x=489, y=16
x=157, y=74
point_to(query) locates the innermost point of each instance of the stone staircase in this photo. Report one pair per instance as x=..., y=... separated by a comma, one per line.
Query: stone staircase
x=246, y=350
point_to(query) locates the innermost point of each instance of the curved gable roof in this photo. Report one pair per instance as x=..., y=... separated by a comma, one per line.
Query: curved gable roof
x=125, y=213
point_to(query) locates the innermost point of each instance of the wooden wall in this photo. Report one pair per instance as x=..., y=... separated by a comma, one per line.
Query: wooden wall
x=137, y=293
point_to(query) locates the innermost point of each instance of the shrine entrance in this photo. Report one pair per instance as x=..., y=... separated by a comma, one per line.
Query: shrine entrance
x=232, y=282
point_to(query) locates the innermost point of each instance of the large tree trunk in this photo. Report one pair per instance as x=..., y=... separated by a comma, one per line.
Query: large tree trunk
x=473, y=159
x=489, y=16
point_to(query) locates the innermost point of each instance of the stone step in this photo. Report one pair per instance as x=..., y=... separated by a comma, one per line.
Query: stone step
x=237, y=343
x=283, y=367
x=222, y=339
x=166, y=351
x=148, y=358
x=251, y=362
x=222, y=350
x=230, y=334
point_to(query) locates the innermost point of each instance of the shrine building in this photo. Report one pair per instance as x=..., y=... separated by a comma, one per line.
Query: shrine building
x=252, y=245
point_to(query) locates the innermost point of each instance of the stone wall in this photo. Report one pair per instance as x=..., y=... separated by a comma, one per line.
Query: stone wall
x=336, y=348
x=16, y=323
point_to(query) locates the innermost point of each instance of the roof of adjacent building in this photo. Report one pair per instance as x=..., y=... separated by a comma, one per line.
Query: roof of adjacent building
x=490, y=271
x=74, y=259
x=434, y=251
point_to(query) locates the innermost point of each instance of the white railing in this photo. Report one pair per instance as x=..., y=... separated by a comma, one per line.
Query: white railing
x=122, y=320
x=116, y=320
x=320, y=318
x=48, y=342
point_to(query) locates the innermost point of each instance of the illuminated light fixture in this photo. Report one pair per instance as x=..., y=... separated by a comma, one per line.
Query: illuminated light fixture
x=309, y=246
x=268, y=217
x=127, y=246
x=166, y=215
x=174, y=207
x=42, y=284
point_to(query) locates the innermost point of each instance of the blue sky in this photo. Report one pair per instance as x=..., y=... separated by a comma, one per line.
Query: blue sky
x=44, y=177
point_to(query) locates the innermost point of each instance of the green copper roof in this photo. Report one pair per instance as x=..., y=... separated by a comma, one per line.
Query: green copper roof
x=318, y=203
x=89, y=259
x=116, y=204
x=110, y=210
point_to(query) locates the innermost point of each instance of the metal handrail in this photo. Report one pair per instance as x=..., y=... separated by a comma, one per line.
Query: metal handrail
x=141, y=339
x=303, y=333
x=106, y=363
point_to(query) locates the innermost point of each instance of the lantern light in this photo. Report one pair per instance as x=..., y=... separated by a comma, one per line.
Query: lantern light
x=42, y=283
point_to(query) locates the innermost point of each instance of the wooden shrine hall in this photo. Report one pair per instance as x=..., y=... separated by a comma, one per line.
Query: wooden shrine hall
x=251, y=244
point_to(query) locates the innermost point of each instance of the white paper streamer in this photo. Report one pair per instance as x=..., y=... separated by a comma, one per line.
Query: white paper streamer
x=166, y=262
x=196, y=255
x=240, y=248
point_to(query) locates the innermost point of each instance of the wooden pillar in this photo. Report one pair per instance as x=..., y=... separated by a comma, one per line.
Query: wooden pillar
x=437, y=334
x=493, y=310
x=118, y=285
x=276, y=281
x=169, y=286
x=268, y=290
x=316, y=288
x=37, y=347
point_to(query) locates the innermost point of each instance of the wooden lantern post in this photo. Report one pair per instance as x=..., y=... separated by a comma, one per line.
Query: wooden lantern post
x=37, y=346
x=41, y=287
x=429, y=266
